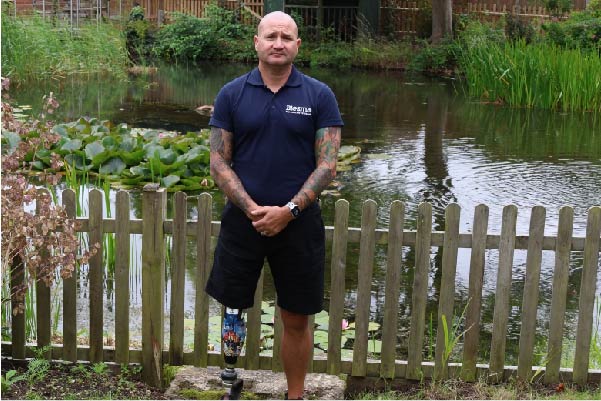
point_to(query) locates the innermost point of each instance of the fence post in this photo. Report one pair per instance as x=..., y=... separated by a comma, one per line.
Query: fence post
x=17, y=281
x=338, y=268
x=153, y=283
x=560, y=290
x=420, y=291
x=178, y=283
x=203, y=268
x=42, y=301
x=390, y=327
x=503, y=293
x=587, y=295
x=474, y=301
x=447, y=292
x=95, y=276
x=70, y=293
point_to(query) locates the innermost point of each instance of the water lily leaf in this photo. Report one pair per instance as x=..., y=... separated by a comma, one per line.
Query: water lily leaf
x=77, y=161
x=167, y=156
x=373, y=326
x=266, y=330
x=109, y=142
x=346, y=353
x=60, y=130
x=153, y=150
x=374, y=346
x=378, y=156
x=321, y=337
x=113, y=166
x=43, y=155
x=37, y=165
x=12, y=139
x=93, y=149
x=348, y=152
x=128, y=144
x=102, y=158
x=140, y=171
x=71, y=145
x=132, y=158
x=169, y=180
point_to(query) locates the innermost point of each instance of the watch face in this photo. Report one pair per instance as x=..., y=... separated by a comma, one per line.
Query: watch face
x=293, y=209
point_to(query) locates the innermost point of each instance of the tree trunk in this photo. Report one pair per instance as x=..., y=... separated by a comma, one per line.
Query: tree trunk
x=442, y=20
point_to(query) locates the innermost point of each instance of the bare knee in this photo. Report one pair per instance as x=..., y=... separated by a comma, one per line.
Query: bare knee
x=294, y=323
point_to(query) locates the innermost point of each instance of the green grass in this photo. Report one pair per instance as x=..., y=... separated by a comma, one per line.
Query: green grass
x=36, y=48
x=454, y=389
x=536, y=75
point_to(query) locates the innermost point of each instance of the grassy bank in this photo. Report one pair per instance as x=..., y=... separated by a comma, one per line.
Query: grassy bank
x=37, y=48
x=533, y=75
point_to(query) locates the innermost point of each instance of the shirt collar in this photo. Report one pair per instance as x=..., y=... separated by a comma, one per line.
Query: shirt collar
x=294, y=80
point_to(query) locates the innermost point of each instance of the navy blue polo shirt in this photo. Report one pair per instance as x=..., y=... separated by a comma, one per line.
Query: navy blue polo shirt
x=274, y=134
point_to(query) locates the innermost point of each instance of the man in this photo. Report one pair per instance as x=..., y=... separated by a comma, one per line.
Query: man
x=275, y=135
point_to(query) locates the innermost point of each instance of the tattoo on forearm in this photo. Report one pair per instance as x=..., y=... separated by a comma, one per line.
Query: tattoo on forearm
x=327, y=143
x=221, y=170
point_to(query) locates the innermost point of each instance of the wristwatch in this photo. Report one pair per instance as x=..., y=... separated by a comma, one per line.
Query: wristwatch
x=293, y=209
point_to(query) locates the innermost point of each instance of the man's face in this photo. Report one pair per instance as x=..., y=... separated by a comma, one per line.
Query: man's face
x=277, y=40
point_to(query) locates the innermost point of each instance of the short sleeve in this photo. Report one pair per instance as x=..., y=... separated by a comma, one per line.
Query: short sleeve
x=222, y=111
x=328, y=114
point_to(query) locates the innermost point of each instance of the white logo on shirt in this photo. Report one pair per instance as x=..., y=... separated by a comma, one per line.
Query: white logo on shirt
x=304, y=111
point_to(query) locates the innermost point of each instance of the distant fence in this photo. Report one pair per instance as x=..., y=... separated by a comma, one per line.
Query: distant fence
x=397, y=17
x=154, y=226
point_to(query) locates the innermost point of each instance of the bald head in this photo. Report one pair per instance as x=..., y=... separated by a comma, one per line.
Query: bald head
x=277, y=18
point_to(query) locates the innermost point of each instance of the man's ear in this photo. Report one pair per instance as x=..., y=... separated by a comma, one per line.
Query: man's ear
x=255, y=40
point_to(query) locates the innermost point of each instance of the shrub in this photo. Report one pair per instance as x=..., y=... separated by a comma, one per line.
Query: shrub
x=436, y=59
x=45, y=241
x=139, y=35
x=517, y=28
x=581, y=31
x=217, y=36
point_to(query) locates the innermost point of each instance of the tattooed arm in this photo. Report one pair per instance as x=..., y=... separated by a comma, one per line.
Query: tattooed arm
x=327, y=143
x=222, y=144
x=275, y=218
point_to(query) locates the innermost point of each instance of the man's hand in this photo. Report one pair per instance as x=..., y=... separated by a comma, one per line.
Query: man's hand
x=270, y=220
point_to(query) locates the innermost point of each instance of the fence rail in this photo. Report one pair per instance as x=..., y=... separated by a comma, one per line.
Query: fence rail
x=154, y=228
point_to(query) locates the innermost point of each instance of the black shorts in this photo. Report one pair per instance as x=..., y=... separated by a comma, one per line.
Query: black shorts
x=296, y=257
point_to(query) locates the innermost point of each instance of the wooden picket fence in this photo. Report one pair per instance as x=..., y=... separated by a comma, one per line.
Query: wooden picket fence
x=154, y=227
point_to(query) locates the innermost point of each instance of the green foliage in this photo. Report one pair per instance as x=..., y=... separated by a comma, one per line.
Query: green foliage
x=10, y=378
x=558, y=7
x=169, y=373
x=594, y=7
x=39, y=366
x=518, y=28
x=423, y=23
x=217, y=36
x=37, y=48
x=581, y=31
x=139, y=35
x=100, y=368
x=435, y=59
x=536, y=75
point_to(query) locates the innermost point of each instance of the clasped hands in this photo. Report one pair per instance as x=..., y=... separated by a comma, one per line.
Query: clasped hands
x=270, y=220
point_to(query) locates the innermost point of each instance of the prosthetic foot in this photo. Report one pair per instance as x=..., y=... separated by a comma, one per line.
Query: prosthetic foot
x=233, y=334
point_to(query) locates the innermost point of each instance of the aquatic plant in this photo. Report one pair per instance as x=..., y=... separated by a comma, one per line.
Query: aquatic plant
x=38, y=48
x=536, y=75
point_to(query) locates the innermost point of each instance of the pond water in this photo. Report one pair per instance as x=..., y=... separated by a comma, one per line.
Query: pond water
x=422, y=140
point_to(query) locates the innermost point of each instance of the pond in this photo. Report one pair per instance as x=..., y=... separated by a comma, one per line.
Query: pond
x=422, y=140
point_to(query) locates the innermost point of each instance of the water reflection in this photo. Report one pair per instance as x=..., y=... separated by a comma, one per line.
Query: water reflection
x=421, y=140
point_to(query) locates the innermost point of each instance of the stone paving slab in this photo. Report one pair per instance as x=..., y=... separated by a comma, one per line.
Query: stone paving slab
x=264, y=383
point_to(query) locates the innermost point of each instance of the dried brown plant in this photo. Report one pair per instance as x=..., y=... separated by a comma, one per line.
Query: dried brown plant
x=36, y=232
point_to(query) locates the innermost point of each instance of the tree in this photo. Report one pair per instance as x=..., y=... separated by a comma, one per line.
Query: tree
x=442, y=20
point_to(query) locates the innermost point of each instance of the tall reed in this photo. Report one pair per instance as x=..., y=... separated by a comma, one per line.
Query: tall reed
x=536, y=75
x=34, y=48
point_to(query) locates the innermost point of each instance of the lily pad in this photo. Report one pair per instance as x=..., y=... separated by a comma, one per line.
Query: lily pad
x=112, y=166
x=71, y=145
x=169, y=181
x=93, y=149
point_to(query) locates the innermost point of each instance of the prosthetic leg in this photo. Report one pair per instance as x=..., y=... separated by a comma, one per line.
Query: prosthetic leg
x=233, y=334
